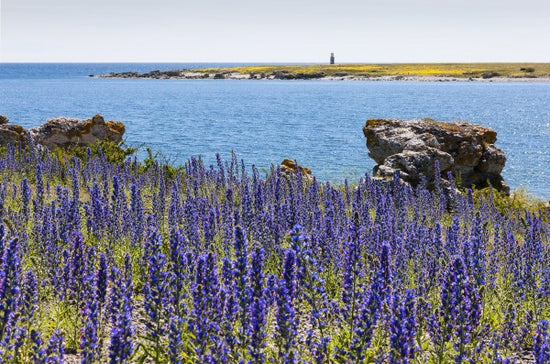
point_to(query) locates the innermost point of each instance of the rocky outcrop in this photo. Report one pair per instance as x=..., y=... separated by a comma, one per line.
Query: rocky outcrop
x=289, y=167
x=12, y=134
x=64, y=132
x=4, y=119
x=412, y=147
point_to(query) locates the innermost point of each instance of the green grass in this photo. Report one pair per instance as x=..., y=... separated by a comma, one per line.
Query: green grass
x=459, y=70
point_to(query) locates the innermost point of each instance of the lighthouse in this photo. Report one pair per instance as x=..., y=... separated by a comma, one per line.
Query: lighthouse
x=332, y=58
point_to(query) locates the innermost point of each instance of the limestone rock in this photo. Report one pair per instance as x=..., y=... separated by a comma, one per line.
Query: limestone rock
x=414, y=163
x=63, y=131
x=289, y=166
x=412, y=147
x=12, y=134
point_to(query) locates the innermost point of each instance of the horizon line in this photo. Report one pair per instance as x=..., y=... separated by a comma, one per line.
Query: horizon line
x=272, y=62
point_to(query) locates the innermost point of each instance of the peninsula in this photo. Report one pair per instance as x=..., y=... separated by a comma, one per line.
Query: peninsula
x=374, y=72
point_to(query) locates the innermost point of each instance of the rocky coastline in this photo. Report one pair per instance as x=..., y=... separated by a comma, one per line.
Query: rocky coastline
x=320, y=76
x=417, y=150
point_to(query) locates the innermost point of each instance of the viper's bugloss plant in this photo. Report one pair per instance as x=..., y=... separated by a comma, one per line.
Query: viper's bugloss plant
x=258, y=307
x=89, y=341
x=142, y=262
x=541, y=346
x=155, y=292
x=121, y=345
x=286, y=320
x=403, y=328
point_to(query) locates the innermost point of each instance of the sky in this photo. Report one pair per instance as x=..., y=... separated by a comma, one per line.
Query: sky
x=287, y=31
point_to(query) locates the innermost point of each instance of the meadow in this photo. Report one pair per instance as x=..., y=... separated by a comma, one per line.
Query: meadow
x=112, y=260
x=458, y=70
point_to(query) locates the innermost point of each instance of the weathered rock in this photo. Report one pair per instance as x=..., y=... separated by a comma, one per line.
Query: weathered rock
x=412, y=147
x=4, y=119
x=12, y=134
x=289, y=167
x=414, y=163
x=63, y=132
x=283, y=75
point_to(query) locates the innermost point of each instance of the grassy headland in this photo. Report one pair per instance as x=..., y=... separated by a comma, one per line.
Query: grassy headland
x=461, y=70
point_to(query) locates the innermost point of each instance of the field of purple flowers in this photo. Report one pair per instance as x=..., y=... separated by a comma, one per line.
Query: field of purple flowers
x=138, y=262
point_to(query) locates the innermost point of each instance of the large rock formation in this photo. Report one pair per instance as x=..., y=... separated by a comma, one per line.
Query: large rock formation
x=64, y=132
x=412, y=147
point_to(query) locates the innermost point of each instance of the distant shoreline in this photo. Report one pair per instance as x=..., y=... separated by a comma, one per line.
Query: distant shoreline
x=353, y=78
x=444, y=72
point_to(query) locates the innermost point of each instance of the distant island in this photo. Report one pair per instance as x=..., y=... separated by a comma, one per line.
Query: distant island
x=374, y=72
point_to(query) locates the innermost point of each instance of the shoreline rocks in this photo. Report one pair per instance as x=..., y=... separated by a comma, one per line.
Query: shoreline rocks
x=64, y=132
x=289, y=167
x=12, y=134
x=413, y=146
x=218, y=74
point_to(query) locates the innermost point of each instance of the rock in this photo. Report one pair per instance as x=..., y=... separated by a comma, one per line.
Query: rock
x=12, y=134
x=64, y=132
x=4, y=119
x=309, y=76
x=289, y=167
x=492, y=161
x=283, y=75
x=412, y=147
x=487, y=75
x=414, y=163
x=173, y=73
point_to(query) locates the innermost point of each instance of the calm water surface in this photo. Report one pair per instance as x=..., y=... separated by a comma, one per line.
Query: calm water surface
x=316, y=122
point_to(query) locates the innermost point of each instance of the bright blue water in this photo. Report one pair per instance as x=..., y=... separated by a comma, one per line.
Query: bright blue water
x=316, y=122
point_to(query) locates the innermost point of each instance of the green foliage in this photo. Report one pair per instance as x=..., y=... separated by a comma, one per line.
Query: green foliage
x=113, y=152
x=519, y=200
x=152, y=161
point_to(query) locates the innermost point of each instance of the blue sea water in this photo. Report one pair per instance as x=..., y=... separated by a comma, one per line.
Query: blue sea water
x=316, y=122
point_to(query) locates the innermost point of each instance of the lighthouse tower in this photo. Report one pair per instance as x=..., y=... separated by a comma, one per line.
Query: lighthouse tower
x=332, y=58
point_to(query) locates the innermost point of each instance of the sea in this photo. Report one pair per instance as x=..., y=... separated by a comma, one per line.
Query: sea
x=318, y=123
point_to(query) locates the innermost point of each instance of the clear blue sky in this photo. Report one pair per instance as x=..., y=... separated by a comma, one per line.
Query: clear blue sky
x=274, y=31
